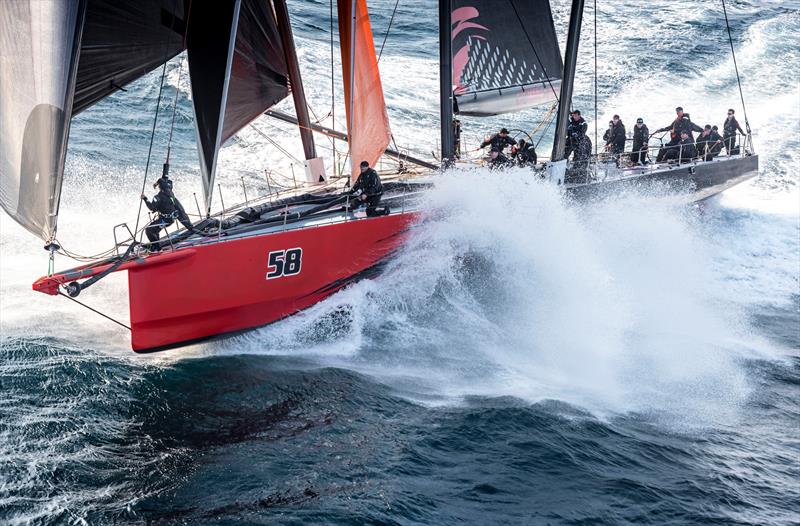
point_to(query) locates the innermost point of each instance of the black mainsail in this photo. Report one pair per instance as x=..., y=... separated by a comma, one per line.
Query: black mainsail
x=58, y=57
x=505, y=55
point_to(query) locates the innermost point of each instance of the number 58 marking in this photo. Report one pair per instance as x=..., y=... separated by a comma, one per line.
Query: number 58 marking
x=284, y=263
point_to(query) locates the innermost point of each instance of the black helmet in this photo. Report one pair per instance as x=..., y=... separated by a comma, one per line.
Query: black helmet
x=364, y=164
x=503, y=130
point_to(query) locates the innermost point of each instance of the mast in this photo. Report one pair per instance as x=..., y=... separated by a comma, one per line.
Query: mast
x=565, y=97
x=446, y=81
x=295, y=80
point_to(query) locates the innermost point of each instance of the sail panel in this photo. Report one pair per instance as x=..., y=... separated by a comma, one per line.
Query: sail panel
x=503, y=62
x=124, y=40
x=258, y=77
x=210, y=40
x=368, y=122
x=39, y=42
x=238, y=70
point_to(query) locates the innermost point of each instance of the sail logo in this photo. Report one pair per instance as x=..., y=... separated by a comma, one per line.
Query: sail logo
x=462, y=20
x=283, y=263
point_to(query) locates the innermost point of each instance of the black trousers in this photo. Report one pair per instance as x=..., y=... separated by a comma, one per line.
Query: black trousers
x=730, y=143
x=372, y=203
x=154, y=228
x=669, y=150
x=639, y=154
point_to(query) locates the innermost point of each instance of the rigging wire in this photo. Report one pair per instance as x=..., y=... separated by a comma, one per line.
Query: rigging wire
x=174, y=109
x=155, y=118
x=385, y=36
x=278, y=146
x=736, y=67
x=106, y=316
x=524, y=30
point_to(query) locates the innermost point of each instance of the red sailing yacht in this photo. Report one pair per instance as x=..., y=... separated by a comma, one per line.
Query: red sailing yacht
x=245, y=267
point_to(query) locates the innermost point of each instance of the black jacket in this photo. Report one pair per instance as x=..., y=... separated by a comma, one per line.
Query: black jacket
x=708, y=143
x=680, y=125
x=167, y=205
x=688, y=151
x=498, y=143
x=164, y=203
x=576, y=129
x=369, y=182
x=730, y=126
x=526, y=154
x=616, y=137
x=641, y=136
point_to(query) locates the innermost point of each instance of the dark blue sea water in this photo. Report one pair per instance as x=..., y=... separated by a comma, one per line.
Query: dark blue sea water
x=520, y=362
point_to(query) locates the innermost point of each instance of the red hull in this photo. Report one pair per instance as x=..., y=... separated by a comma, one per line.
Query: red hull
x=222, y=287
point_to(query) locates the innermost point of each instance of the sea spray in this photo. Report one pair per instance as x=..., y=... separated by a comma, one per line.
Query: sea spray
x=506, y=288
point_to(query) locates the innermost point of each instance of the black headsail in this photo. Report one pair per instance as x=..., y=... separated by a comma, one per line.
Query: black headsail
x=238, y=70
x=58, y=57
x=505, y=55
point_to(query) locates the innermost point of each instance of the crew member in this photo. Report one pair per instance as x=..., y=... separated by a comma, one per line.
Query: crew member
x=616, y=139
x=729, y=129
x=641, y=136
x=607, y=134
x=708, y=144
x=168, y=208
x=684, y=150
x=498, y=143
x=368, y=190
x=524, y=153
x=681, y=123
x=576, y=131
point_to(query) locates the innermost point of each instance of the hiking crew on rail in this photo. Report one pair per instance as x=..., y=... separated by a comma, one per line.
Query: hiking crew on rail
x=681, y=146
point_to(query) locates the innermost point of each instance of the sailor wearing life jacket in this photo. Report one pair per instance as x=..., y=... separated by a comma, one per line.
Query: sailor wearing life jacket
x=681, y=124
x=168, y=208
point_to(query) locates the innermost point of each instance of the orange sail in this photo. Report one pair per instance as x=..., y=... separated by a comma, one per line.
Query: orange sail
x=367, y=121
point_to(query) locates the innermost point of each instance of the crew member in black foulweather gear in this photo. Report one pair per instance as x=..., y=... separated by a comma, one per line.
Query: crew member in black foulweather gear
x=717, y=141
x=576, y=130
x=524, y=153
x=615, y=140
x=641, y=136
x=729, y=129
x=607, y=133
x=682, y=123
x=708, y=144
x=168, y=208
x=498, y=143
x=368, y=190
x=457, y=138
x=685, y=150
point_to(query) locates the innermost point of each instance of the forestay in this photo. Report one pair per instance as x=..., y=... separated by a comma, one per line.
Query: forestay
x=505, y=55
